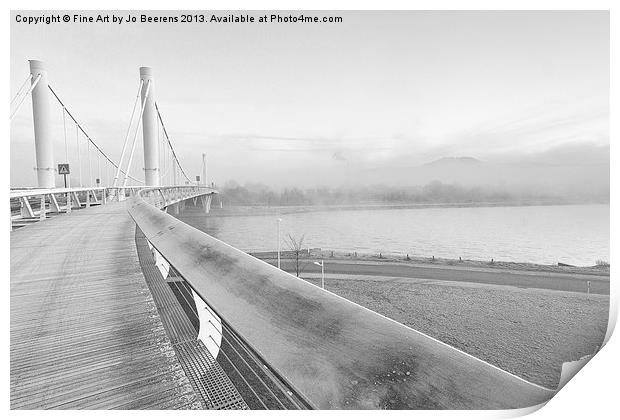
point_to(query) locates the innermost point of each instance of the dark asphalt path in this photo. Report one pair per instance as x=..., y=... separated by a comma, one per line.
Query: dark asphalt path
x=570, y=282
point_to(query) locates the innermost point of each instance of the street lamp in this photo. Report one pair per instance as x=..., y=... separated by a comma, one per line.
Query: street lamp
x=322, y=265
x=279, y=220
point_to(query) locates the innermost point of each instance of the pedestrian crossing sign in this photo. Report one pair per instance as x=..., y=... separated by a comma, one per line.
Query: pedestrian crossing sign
x=63, y=169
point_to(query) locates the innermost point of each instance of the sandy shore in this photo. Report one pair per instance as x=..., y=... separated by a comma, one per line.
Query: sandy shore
x=524, y=321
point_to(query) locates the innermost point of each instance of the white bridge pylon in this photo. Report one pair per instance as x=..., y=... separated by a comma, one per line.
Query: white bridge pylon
x=161, y=163
x=149, y=129
x=42, y=120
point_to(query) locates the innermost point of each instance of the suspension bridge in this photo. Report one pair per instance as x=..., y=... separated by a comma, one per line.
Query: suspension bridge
x=117, y=304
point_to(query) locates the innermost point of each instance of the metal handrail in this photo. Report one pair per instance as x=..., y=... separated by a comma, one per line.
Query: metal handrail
x=34, y=192
x=332, y=352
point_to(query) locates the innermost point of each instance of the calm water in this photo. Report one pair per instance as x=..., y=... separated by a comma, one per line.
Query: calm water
x=577, y=234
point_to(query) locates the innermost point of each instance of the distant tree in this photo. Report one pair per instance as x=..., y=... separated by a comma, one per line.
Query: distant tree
x=296, y=246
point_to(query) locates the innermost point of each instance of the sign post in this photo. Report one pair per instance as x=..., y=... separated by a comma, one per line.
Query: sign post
x=63, y=169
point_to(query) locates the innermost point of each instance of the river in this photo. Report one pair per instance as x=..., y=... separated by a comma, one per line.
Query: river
x=571, y=234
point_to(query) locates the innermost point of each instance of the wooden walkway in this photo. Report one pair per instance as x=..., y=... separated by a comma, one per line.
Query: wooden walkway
x=85, y=332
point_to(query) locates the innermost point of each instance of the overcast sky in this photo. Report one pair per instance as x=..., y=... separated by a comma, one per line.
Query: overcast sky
x=308, y=104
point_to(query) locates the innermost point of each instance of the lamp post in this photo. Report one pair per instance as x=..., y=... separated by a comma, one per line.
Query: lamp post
x=279, y=220
x=322, y=265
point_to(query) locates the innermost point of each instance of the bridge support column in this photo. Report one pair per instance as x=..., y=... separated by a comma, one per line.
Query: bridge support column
x=204, y=170
x=149, y=130
x=206, y=202
x=42, y=118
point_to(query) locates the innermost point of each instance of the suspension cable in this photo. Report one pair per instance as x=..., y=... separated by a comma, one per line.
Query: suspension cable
x=34, y=84
x=90, y=168
x=19, y=91
x=133, y=111
x=170, y=143
x=77, y=141
x=64, y=130
x=135, y=136
x=80, y=128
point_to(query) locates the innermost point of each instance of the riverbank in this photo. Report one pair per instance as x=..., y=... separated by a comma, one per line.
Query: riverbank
x=527, y=332
x=387, y=260
x=527, y=322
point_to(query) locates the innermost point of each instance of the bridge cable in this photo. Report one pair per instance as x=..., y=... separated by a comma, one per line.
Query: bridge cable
x=34, y=84
x=170, y=143
x=235, y=350
x=135, y=136
x=77, y=140
x=80, y=128
x=133, y=111
x=165, y=164
x=64, y=130
x=159, y=161
x=21, y=88
x=90, y=168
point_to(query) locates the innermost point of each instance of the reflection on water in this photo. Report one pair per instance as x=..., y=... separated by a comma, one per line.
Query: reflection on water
x=576, y=234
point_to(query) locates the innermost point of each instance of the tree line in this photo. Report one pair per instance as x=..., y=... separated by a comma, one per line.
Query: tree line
x=434, y=192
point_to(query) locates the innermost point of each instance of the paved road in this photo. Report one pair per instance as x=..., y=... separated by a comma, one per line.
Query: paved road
x=599, y=284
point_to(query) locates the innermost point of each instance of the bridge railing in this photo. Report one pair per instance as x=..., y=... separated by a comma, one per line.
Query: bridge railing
x=161, y=197
x=331, y=352
x=35, y=204
x=32, y=203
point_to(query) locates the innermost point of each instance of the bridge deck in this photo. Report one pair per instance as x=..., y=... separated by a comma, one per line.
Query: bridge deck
x=85, y=332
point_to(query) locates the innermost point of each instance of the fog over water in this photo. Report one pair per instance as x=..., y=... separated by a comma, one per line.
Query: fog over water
x=572, y=234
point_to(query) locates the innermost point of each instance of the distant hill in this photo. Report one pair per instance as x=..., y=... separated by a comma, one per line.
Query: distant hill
x=571, y=173
x=464, y=160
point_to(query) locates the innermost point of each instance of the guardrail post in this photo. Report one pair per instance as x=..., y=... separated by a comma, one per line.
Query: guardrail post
x=42, y=212
x=68, y=210
x=54, y=204
x=25, y=207
x=76, y=198
x=87, y=199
